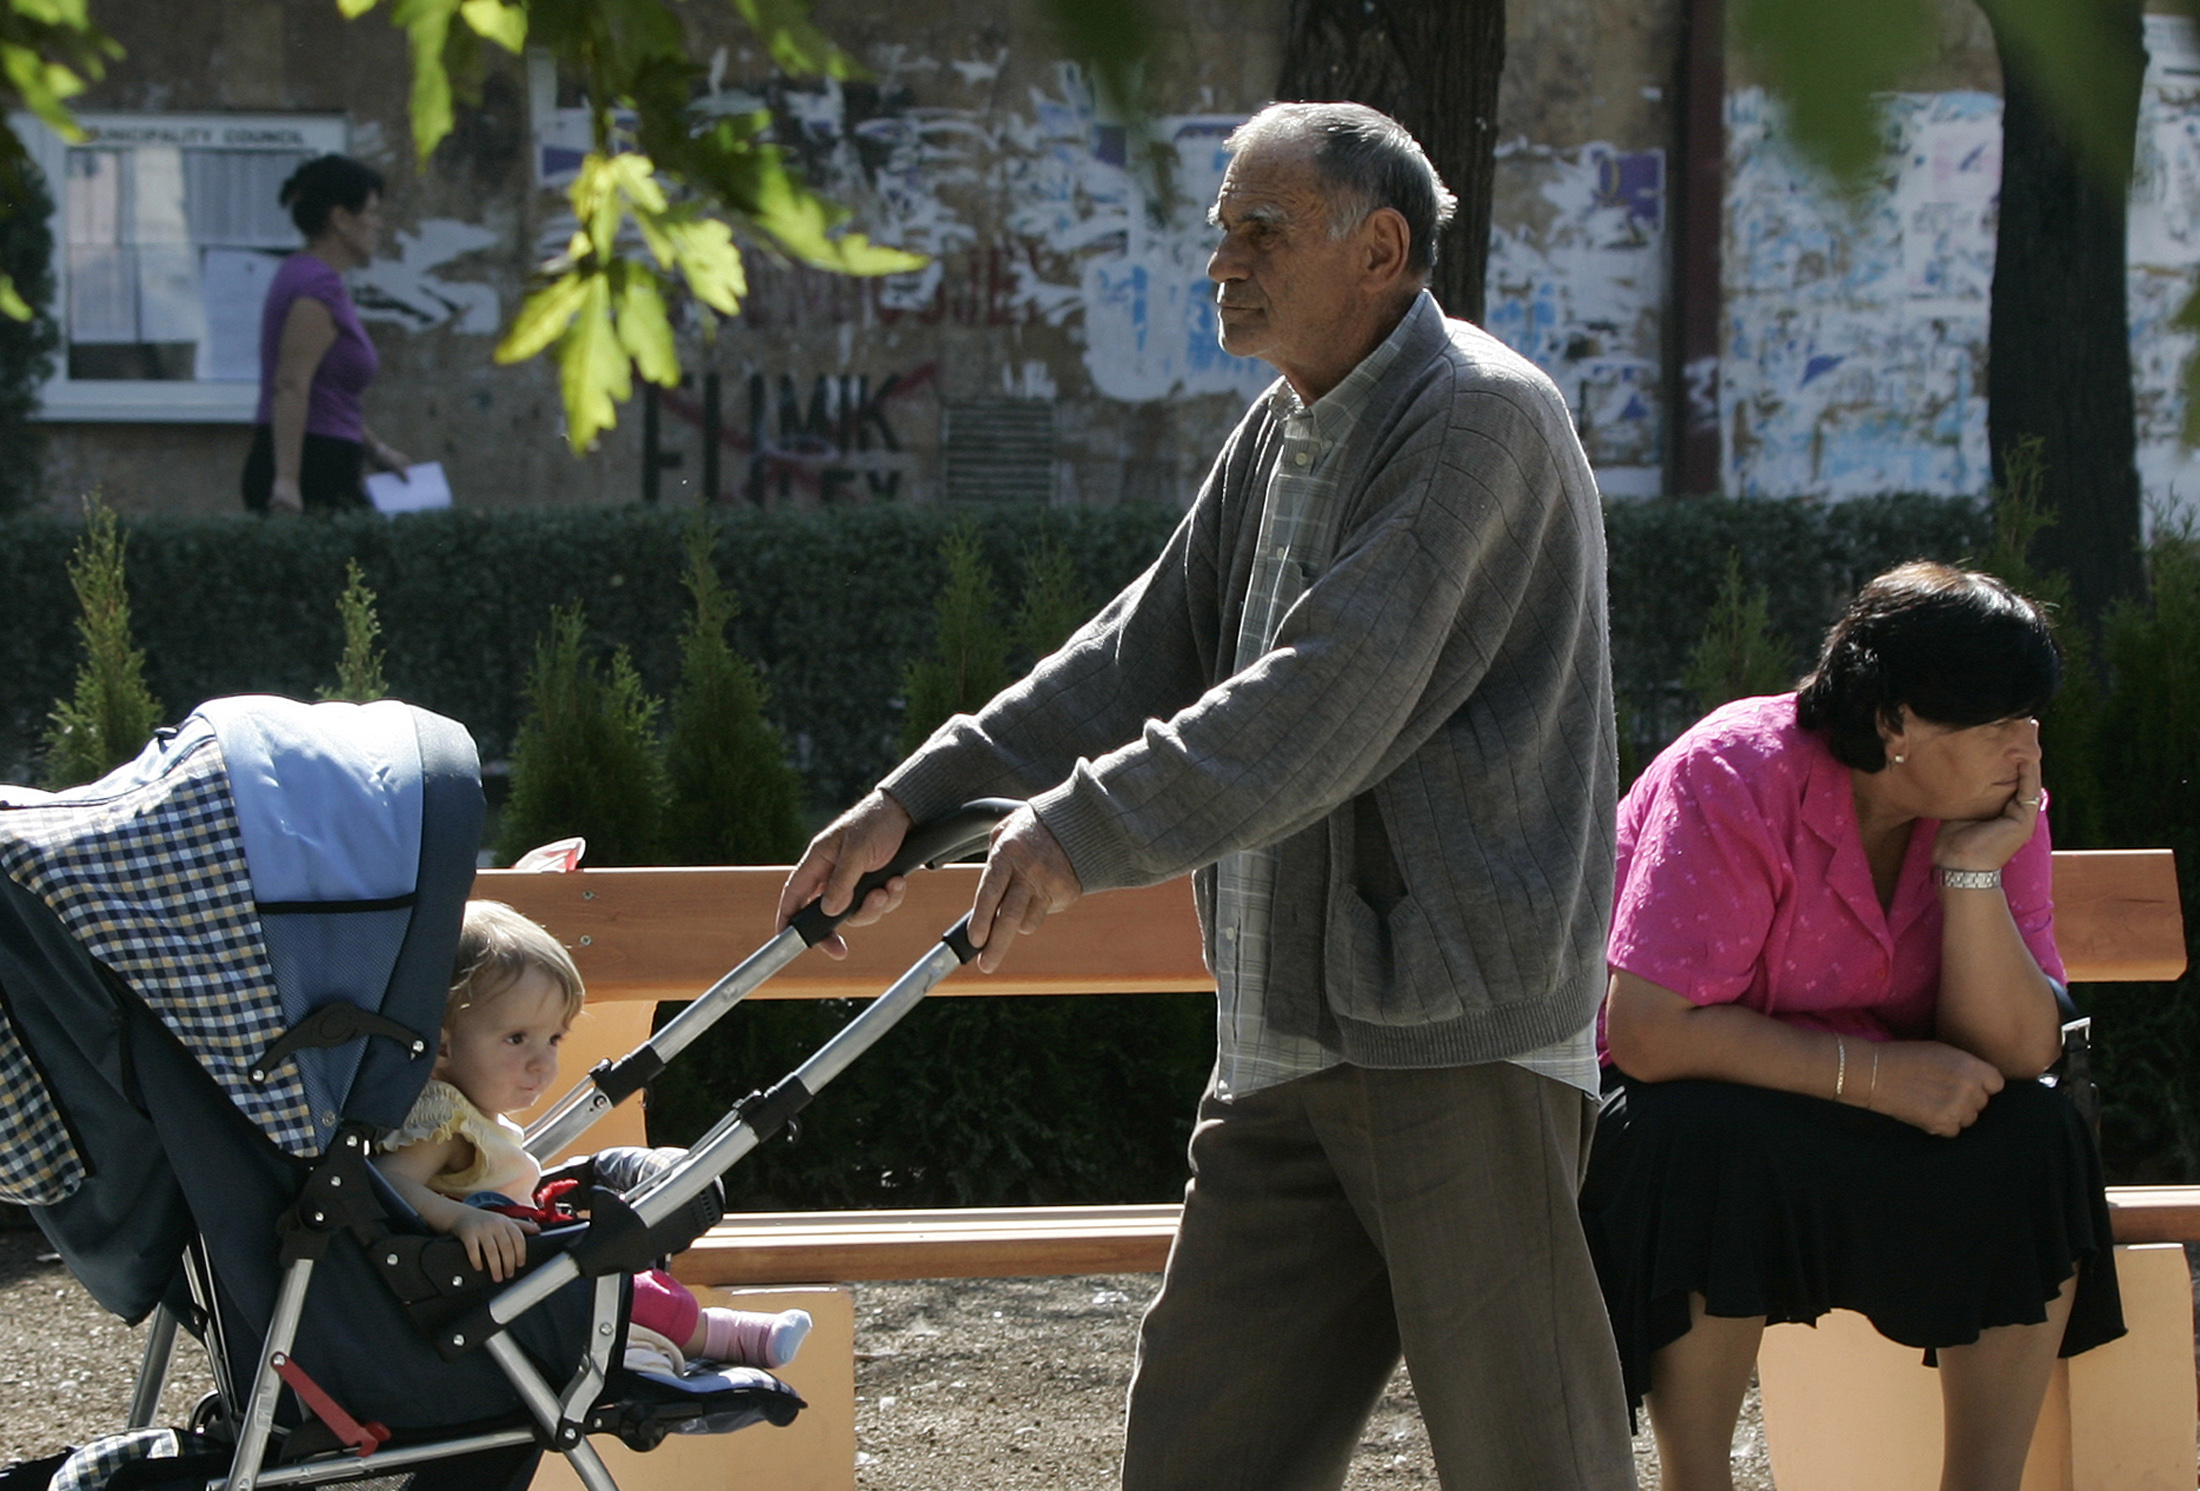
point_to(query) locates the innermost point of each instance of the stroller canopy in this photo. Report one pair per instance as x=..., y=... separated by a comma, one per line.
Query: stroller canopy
x=279, y=885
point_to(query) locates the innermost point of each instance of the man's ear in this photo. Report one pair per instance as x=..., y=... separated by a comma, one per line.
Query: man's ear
x=1386, y=243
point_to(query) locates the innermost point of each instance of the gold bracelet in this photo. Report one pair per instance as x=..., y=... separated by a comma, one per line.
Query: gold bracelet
x=1873, y=1091
x=1841, y=1066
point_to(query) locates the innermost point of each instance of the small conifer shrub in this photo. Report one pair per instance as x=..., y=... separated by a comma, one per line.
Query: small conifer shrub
x=359, y=677
x=735, y=800
x=1738, y=656
x=586, y=761
x=968, y=663
x=112, y=713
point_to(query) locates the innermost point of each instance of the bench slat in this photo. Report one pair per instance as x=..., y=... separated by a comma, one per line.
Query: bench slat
x=672, y=933
x=1028, y=1242
x=1042, y=1241
x=2116, y=915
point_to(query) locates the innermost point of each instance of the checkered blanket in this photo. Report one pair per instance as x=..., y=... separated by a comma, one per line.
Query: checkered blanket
x=152, y=880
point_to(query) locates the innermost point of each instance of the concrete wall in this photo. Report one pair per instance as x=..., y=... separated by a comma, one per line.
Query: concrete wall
x=1060, y=347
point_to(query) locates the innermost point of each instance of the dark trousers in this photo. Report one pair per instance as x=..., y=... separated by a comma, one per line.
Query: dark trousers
x=1340, y=1221
x=328, y=472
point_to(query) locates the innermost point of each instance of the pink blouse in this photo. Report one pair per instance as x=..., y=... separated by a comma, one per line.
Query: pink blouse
x=1742, y=880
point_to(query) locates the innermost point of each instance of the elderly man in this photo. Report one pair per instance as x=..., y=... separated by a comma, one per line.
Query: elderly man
x=1364, y=693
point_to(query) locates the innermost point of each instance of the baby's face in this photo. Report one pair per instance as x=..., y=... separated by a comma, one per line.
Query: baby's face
x=503, y=1052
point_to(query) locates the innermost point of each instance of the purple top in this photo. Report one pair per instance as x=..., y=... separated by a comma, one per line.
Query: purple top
x=1742, y=880
x=333, y=405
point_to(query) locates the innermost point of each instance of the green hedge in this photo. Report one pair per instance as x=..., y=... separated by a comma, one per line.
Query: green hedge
x=833, y=604
x=832, y=607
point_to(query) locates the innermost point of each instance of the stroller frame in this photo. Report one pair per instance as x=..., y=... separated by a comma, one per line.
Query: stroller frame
x=624, y=1234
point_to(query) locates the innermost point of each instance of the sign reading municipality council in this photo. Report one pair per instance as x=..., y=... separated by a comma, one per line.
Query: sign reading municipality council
x=211, y=132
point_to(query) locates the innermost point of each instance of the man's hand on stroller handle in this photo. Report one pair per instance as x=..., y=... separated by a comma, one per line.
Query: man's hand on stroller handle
x=1027, y=878
x=863, y=839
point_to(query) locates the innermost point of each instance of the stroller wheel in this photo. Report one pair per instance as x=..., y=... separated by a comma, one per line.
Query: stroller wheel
x=210, y=1417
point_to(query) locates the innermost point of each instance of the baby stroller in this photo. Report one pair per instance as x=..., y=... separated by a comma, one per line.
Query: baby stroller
x=222, y=976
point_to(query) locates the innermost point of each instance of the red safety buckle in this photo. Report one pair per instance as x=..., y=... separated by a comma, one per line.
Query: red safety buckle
x=365, y=1438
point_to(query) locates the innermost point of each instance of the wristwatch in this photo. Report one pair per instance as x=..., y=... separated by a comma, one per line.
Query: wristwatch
x=1967, y=879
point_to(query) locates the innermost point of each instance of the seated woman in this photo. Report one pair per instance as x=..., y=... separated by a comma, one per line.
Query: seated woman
x=1833, y=990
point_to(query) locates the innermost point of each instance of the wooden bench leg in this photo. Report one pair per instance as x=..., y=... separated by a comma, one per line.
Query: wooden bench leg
x=817, y=1452
x=1845, y=1407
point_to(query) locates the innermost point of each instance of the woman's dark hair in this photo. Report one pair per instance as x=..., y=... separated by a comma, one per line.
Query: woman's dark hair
x=322, y=185
x=1953, y=646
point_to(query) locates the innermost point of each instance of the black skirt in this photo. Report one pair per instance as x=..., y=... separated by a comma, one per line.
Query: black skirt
x=329, y=473
x=1774, y=1204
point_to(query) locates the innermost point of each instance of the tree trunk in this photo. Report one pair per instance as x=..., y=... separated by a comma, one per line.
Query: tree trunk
x=1432, y=65
x=2059, y=351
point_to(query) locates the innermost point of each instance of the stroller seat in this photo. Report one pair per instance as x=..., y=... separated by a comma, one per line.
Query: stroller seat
x=222, y=976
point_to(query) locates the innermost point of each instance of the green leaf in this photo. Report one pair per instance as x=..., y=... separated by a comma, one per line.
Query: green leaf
x=594, y=374
x=427, y=25
x=543, y=317
x=1828, y=59
x=644, y=330
x=43, y=85
x=2086, y=72
x=352, y=10
x=12, y=303
x=797, y=46
x=802, y=223
x=71, y=14
x=493, y=20
x=704, y=249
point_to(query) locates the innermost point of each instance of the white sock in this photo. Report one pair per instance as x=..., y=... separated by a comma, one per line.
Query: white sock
x=753, y=1338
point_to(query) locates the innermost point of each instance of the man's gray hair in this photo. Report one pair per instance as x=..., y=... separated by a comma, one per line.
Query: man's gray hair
x=1368, y=160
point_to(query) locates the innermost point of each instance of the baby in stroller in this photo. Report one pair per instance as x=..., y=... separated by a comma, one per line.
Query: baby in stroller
x=458, y=1160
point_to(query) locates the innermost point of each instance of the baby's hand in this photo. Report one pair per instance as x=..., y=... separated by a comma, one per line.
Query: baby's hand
x=494, y=1242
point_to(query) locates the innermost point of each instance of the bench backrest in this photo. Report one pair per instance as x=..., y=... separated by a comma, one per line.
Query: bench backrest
x=670, y=933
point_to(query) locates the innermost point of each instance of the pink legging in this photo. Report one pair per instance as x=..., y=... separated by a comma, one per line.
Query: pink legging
x=663, y=1304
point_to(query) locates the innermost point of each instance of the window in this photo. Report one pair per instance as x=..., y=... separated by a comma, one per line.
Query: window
x=166, y=232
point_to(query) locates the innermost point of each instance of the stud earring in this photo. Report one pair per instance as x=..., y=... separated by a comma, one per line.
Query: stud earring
x=1900, y=758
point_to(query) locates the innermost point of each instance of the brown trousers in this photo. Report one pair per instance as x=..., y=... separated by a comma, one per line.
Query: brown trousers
x=1340, y=1221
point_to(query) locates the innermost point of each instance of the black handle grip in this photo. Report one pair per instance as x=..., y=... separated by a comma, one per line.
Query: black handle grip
x=927, y=845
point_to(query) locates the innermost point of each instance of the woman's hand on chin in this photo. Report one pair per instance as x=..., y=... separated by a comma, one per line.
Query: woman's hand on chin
x=1990, y=842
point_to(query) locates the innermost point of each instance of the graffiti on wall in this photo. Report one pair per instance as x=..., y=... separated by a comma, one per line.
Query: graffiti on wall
x=1036, y=226
x=412, y=284
x=1855, y=342
x=1855, y=352
x=1576, y=284
x=830, y=439
x=2164, y=250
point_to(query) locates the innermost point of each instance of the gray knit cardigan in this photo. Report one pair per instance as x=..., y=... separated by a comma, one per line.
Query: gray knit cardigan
x=1429, y=742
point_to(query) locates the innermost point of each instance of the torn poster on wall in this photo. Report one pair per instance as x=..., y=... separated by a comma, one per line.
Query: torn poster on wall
x=1854, y=357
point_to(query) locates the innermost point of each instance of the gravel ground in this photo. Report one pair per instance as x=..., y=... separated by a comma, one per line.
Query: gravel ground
x=961, y=1385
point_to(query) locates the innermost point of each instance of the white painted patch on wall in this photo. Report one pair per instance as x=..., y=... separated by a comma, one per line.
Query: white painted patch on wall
x=1576, y=284
x=1855, y=338
x=1855, y=348
x=2164, y=248
x=409, y=291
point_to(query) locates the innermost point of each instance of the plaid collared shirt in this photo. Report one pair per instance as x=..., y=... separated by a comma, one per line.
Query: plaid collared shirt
x=1297, y=534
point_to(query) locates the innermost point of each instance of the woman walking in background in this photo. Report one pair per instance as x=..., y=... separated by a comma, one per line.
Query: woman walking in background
x=310, y=440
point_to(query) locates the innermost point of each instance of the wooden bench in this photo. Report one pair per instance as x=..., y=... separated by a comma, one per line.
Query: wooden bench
x=645, y=935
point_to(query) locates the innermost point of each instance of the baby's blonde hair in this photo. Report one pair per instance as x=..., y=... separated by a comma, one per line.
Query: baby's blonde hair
x=496, y=946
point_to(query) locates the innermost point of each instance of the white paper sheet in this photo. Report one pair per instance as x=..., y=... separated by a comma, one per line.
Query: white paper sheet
x=234, y=283
x=425, y=487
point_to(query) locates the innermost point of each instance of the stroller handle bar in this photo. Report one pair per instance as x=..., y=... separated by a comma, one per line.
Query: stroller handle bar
x=927, y=845
x=752, y=1121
